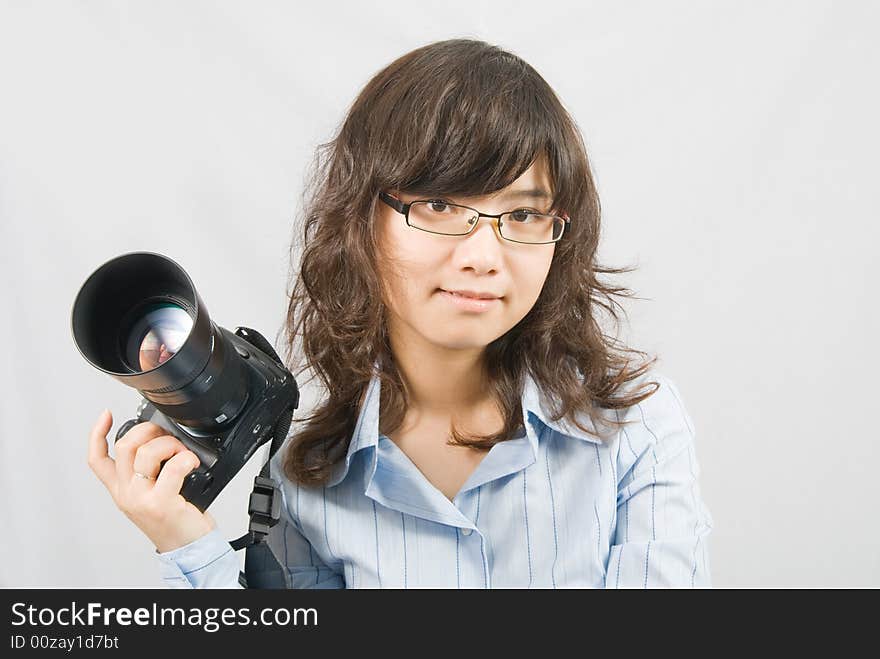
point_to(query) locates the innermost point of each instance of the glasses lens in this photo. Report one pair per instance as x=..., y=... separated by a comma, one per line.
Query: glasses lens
x=440, y=217
x=158, y=335
x=532, y=227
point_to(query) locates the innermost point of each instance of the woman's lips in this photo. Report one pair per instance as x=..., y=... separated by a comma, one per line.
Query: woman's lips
x=469, y=303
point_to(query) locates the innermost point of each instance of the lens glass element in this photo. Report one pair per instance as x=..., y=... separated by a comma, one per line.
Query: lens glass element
x=159, y=333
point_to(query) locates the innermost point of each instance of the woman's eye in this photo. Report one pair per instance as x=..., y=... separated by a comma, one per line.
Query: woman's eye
x=438, y=205
x=522, y=214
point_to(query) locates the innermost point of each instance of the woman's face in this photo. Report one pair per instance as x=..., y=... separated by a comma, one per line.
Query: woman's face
x=418, y=266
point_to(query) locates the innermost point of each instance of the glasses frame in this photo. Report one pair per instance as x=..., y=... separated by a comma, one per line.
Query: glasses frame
x=403, y=209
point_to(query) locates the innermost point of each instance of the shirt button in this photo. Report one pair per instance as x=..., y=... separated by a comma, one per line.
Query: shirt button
x=466, y=531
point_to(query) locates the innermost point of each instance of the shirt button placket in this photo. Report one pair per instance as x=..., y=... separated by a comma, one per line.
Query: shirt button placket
x=465, y=532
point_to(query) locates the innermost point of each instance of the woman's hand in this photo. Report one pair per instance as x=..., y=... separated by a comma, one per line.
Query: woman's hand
x=155, y=505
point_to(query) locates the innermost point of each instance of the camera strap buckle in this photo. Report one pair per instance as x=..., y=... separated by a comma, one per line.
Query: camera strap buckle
x=264, y=507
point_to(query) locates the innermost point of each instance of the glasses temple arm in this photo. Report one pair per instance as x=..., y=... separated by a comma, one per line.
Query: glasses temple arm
x=395, y=203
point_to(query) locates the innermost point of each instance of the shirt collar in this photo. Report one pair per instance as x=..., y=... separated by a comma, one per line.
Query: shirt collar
x=535, y=401
x=534, y=404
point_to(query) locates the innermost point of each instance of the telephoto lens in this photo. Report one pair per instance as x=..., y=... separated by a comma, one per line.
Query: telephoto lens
x=139, y=319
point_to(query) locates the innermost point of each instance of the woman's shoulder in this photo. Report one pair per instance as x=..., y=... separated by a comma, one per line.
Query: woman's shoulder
x=657, y=427
x=664, y=407
x=662, y=392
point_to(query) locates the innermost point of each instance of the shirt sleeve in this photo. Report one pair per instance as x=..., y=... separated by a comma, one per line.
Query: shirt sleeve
x=208, y=562
x=662, y=526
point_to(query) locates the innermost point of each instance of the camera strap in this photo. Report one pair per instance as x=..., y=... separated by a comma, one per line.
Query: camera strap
x=262, y=569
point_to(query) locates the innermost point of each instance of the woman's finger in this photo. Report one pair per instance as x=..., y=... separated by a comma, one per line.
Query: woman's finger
x=99, y=460
x=149, y=457
x=170, y=480
x=127, y=447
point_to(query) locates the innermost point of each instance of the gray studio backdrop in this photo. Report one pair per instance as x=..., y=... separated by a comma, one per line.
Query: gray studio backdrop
x=735, y=148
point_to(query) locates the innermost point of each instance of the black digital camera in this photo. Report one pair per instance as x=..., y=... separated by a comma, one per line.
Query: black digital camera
x=139, y=319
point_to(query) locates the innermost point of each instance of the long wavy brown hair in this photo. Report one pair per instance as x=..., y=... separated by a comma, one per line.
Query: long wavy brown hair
x=454, y=117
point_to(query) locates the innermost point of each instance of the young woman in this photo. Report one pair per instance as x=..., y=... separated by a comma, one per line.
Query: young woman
x=479, y=429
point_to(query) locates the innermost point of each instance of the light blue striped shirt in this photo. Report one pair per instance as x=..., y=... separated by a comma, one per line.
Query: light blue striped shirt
x=553, y=507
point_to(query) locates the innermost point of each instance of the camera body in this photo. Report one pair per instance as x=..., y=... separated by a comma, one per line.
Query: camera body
x=272, y=395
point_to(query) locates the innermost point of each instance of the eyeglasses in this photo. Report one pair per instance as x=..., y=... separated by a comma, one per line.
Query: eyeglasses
x=441, y=217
